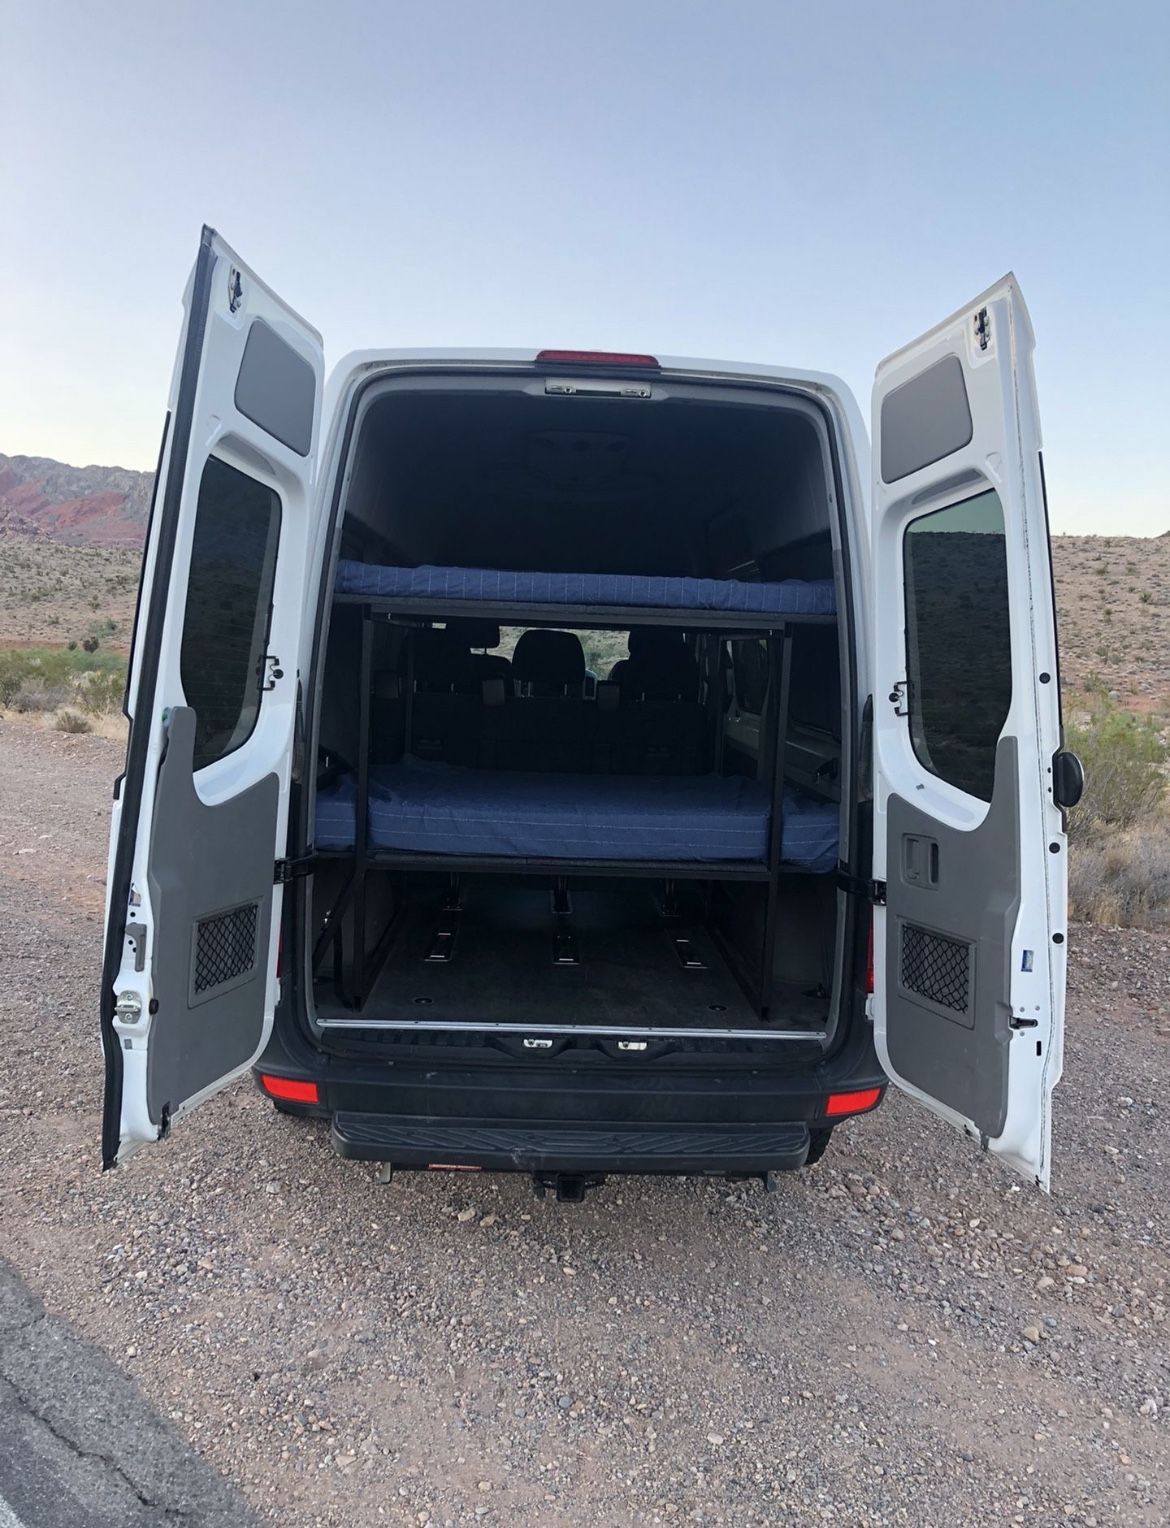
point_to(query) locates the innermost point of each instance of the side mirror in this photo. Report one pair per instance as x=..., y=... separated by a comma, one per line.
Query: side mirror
x=1068, y=779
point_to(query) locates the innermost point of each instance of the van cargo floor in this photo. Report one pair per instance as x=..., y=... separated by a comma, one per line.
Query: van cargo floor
x=613, y=961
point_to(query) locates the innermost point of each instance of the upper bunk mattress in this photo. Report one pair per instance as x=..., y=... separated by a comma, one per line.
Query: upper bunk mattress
x=433, y=808
x=497, y=586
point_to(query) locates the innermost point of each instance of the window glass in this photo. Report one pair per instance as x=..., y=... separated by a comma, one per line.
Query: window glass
x=958, y=640
x=602, y=649
x=229, y=605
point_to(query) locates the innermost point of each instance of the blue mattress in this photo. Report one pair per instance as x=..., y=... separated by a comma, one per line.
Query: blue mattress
x=497, y=586
x=448, y=809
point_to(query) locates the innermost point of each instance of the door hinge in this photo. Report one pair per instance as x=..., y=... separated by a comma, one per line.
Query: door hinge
x=860, y=886
x=983, y=328
x=286, y=870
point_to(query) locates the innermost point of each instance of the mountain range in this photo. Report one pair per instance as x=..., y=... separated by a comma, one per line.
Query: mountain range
x=44, y=500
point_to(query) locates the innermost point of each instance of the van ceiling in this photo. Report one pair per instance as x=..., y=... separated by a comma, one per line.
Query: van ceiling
x=508, y=478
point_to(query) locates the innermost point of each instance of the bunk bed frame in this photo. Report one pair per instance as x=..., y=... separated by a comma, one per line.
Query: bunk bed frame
x=416, y=611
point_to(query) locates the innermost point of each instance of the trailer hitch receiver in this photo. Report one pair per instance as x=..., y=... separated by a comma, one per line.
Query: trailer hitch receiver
x=570, y=1188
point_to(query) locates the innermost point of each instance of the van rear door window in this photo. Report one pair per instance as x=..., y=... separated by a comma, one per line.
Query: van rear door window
x=228, y=608
x=958, y=640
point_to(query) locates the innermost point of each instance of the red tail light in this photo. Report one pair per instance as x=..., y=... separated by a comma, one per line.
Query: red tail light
x=289, y=1090
x=840, y=1104
x=593, y=358
x=869, y=959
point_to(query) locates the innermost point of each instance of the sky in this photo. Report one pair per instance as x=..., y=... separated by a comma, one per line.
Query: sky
x=751, y=180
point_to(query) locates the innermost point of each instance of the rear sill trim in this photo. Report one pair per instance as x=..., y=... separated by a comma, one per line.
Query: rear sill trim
x=570, y=1148
x=653, y=1032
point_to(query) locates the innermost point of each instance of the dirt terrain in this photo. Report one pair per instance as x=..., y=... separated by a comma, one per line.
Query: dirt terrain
x=1113, y=605
x=52, y=593
x=901, y=1335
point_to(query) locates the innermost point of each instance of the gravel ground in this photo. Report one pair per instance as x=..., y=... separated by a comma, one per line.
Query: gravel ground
x=899, y=1335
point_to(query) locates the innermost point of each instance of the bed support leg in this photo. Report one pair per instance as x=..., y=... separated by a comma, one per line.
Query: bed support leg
x=442, y=946
x=362, y=813
x=564, y=939
x=780, y=652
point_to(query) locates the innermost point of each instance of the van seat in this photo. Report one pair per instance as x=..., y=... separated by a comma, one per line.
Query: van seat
x=473, y=632
x=442, y=664
x=661, y=727
x=660, y=666
x=445, y=706
x=549, y=663
x=548, y=724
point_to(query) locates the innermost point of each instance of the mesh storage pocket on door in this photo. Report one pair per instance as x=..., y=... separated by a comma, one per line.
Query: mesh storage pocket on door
x=225, y=949
x=936, y=968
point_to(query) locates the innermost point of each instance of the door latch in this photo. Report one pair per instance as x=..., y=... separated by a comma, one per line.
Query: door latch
x=270, y=671
x=900, y=698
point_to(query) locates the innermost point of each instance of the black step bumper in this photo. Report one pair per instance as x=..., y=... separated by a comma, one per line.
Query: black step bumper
x=568, y=1148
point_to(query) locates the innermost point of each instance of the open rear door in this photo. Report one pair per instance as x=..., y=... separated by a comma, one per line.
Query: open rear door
x=189, y=982
x=968, y=829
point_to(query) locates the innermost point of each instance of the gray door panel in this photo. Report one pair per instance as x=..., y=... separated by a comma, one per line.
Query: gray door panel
x=952, y=899
x=211, y=889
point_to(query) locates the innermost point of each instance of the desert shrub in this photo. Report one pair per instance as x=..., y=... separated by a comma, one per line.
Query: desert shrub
x=101, y=693
x=1122, y=878
x=13, y=673
x=1125, y=768
x=37, y=695
x=46, y=678
x=91, y=644
x=72, y=721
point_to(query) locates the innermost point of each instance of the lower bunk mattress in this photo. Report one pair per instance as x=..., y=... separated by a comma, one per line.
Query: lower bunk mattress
x=434, y=808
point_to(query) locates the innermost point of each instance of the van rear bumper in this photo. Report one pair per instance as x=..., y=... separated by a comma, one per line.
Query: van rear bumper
x=569, y=1149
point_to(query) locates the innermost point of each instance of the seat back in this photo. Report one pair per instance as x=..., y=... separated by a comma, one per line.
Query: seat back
x=662, y=726
x=473, y=632
x=548, y=725
x=445, y=705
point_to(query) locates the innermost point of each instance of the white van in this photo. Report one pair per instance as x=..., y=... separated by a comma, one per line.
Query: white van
x=575, y=763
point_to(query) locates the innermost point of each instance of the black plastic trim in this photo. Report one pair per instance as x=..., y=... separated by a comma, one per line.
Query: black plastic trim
x=137, y=748
x=571, y=1148
x=162, y=451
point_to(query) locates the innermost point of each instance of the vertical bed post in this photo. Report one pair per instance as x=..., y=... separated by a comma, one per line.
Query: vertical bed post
x=362, y=809
x=780, y=654
x=408, y=708
x=718, y=682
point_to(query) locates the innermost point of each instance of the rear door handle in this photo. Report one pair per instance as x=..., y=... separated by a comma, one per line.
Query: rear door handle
x=920, y=860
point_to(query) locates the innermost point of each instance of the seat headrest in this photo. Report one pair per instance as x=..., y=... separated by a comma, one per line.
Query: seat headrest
x=654, y=639
x=549, y=657
x=474, y=631
x=660, y=666
x=439, y=658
